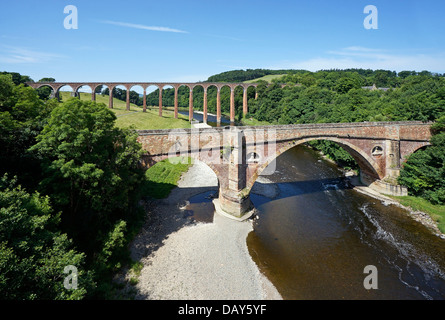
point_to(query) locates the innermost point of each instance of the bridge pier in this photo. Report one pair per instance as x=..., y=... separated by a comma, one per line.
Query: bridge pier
x=176, y=102
x=218, y=106
x=234, y=205
x=191, y=105
x=234, y=201
x=232, y=106
x=205, y=106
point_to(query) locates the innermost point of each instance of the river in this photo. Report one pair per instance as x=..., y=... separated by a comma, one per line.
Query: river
x=211, y=119
x=315, y=238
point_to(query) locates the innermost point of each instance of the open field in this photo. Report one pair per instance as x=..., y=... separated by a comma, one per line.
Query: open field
x=267, y=78
x=136, y=118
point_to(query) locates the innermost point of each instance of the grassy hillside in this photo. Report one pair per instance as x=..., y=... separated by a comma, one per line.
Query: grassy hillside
x=267, y=78
x=136, y=117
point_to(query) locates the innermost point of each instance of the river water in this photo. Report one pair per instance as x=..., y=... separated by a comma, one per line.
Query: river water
x=211, y=119
x=314, y=239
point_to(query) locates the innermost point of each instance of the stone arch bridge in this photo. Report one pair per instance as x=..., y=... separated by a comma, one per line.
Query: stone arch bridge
x=238, y=155
x=75, y=86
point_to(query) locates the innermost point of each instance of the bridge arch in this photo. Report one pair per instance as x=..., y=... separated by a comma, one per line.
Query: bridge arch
x=84, y=88
x=212, y=96
x=134, y=92
x=214, y=181
x=65, y=88
x=46, y=91
x=369, y=168
x=105, y=90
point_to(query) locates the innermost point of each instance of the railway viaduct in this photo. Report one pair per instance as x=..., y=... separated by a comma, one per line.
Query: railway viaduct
x=56, y=86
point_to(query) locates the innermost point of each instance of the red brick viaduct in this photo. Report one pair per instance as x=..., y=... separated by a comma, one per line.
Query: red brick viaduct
x=238, y=155
x=56, y=86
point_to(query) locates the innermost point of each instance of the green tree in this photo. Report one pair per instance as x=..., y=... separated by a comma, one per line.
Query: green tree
x=91, y=168
x=33, y=253
x=345, y=84
x=424, y=171
x=22, y=117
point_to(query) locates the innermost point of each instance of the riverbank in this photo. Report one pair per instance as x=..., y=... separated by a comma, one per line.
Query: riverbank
x=186, y=260
x=422, y=217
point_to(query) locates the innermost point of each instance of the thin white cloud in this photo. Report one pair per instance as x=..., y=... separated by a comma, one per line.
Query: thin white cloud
x=368, y=58
x=18, y=55
x=143, y=27
x=362, y=49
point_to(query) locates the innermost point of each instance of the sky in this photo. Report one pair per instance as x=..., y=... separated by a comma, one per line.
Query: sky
x=190, y=40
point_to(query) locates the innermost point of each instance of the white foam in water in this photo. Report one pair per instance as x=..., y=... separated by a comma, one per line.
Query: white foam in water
x=408, y=253
x=385, y=203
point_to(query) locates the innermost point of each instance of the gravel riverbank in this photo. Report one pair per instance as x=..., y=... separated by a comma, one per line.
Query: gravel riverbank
x=183, y=259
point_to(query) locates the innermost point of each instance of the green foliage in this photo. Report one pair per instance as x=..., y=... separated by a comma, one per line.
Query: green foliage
x=109, y=258
x=33, y=253
x=91, y=168
x=16, y=77
x=424, y=171
x=22, y=117
x=245, y=75
x=88, y=169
